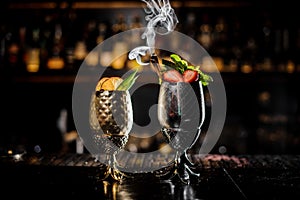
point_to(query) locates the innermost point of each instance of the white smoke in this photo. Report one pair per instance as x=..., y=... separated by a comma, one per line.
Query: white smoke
x=162, y=20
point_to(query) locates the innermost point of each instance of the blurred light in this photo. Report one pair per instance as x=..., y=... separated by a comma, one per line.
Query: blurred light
x=55, y=63
x=145, y=144
x=264, y=97
x=132, y=148
x=222, y=149
x=9, y=152
x=33, y=62
x=105, y=58
x=246, y=68
x=290, y=68
x=37, y=149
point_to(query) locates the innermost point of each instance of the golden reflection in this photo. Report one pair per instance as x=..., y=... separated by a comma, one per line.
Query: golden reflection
x=145, y=189
x=114, y=191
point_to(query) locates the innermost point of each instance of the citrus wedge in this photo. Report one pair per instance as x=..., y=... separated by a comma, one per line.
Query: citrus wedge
x=109, y=83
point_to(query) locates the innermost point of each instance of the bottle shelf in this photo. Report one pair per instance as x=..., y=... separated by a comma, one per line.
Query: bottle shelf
x=229, y=78
x=223, y=32
x=121, y=4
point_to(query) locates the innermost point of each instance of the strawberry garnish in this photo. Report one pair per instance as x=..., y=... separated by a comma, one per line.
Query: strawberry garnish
x=190, y=76
x=172, y=76
x=186, y=72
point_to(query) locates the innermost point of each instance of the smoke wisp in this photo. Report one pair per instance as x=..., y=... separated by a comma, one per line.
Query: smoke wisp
x=161, y=20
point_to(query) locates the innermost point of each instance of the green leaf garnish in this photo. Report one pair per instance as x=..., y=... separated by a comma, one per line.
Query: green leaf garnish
x=181, y=65
x=204, y=78
x=128, y=82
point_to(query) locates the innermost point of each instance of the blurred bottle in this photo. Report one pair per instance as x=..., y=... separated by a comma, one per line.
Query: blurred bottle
x=205, y=32
x=46, y=34
x=2, y=45
x=136, y=23
x=80, y=52
x=221, y=44
x=190, y=27
x=70, y=31
x=102, y=32
x=120, y=47
x=236, y=44
x=85, y=44
x=120, y=24
x=266, y=50
x=92, y=57
x=55, y=60
x=12, y=51
x=297, y=50
x=135, y=40
x=33, y=51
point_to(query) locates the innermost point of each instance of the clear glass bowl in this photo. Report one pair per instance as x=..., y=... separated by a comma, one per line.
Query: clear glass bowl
x=181, y=112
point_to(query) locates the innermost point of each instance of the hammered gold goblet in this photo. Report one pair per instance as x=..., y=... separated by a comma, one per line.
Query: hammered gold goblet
x=111, y=119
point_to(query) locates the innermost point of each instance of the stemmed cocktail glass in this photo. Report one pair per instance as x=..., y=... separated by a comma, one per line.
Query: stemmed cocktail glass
x=181, y=113
x=111, y=119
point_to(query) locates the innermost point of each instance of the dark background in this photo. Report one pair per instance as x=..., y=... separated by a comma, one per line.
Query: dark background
x=262, y=100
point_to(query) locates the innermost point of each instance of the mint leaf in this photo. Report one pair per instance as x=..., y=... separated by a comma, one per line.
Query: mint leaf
x=205, y=79
x=181, y=65
x=175, y=58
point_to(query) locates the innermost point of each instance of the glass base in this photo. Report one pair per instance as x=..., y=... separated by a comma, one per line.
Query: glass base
x=185, y=170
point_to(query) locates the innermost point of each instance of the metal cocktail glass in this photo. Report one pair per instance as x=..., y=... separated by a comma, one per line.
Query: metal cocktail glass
x=111, y=119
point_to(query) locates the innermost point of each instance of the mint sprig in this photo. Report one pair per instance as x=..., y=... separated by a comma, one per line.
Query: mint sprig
x=204, y=78
x=182, y=65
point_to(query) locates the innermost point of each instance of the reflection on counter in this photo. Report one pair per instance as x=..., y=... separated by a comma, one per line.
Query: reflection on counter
x=221, y=176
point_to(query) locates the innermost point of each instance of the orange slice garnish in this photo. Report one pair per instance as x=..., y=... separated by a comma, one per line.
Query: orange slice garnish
x=109, y=83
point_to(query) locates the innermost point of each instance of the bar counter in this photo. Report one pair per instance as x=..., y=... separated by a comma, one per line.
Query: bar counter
x=70, y=176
